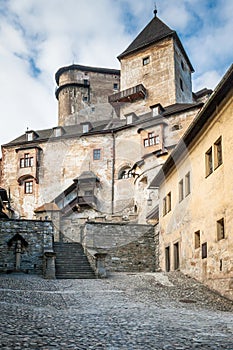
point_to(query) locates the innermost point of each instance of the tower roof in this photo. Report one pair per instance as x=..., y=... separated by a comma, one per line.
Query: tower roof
x=155, y=31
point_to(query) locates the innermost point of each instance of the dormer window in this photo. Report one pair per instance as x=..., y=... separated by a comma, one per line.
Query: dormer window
x=58, y=131
x=130, y=118
x=30, y=135
x=86, y=127
x=146, y=60
x=157, y=110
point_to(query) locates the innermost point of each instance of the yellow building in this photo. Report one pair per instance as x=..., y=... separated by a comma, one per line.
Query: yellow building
x=195, y=191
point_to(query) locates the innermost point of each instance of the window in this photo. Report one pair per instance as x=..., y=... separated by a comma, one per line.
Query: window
x=220, y=229
x=146, y=60
x=151, y=140
x=85, y=128
x=26, y=161
x=29, y=136
x=176, y=127
x=167, y=204
x=181, y=190
x=197, y=239
x=129, y=119
x=209, y=162
x=182, y=65
x=176, y=256
x=218, y=153
x=187, y=184
x=204, y=250
x=85, y=81
x=164, y=206
x=125, y=174
x=96, y=154
x=85, y=99
x=115, y=86
x=167, y=259
x=28, y=187
x=181, y=85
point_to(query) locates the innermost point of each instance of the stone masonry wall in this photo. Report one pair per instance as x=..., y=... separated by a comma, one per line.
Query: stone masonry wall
x=130, y=247
x=39, y=238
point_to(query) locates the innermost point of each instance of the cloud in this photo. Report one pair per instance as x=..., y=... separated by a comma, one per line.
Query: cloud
x=39, y=37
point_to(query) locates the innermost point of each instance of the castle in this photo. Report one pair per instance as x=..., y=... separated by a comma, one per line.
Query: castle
x=116, y=129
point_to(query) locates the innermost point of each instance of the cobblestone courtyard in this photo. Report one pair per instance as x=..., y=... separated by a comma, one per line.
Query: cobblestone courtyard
x=126, y=311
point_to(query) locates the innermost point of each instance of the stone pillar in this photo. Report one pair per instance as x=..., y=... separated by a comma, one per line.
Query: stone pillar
x=100, y=265
x=49, y=270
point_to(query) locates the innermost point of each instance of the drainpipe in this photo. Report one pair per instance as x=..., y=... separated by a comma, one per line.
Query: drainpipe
x=113, y=168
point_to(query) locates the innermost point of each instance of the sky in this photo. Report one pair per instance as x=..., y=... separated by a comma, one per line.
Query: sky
x=39, y=37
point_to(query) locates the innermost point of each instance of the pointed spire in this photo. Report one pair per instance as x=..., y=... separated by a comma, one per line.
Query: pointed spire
x=155, y=10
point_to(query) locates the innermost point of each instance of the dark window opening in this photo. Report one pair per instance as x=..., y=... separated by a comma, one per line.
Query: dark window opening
x=176, y=256
x=209, y=162
x=187, y=184
x=218, y=153
x=220, y=229
x=115, y=86
x=181, y=85
x=204, y=250
x=197, y=239
x=167, y=259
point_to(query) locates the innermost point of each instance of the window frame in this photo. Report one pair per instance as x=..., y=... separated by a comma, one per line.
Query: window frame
x=187, y=184
x=145, y=60
x=181, y=190
x=26, y=161
x=218, y=160
x=209, y=161
x=220, y=229
x=197, y=239
x=28, y=187
x=97, y=154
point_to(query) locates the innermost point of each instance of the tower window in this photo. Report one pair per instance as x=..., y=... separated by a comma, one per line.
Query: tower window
x=146, y=60
x=115, y=86
x=181, y=85
x=182, y=65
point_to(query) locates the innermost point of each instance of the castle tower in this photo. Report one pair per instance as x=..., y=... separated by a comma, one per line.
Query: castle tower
x=154, y=69
x=82, y=93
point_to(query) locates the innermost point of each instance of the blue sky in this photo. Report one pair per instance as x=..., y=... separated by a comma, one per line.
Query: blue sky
x=39, y=37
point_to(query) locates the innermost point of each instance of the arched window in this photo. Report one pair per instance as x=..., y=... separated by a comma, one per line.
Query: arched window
x=125, y=173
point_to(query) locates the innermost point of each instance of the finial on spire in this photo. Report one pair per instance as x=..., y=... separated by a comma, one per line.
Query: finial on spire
x=155, y=10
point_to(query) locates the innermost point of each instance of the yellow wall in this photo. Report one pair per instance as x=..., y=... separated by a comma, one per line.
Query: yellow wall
x=210, y=200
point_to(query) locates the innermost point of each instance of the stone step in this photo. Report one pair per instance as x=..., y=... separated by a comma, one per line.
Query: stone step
x=71, y=262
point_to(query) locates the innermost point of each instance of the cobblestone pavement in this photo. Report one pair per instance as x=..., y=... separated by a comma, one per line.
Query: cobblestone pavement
x=123, y=312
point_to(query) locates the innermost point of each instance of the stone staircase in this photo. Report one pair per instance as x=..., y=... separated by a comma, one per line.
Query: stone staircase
x=71, y=262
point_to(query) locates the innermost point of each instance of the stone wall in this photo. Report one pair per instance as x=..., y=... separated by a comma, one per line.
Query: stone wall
x=36, y=238
x=129, y=247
